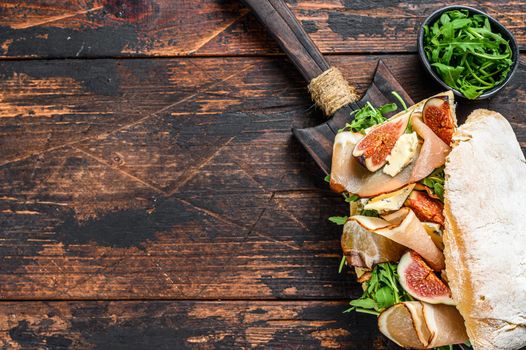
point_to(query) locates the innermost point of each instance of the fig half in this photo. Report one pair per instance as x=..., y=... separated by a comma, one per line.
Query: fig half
x=439, y=116
x=421, y=282
x=425, y=207
x=373, y=149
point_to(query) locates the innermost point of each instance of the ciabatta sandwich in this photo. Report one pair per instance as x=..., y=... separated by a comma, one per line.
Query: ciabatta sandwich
x=437, y=225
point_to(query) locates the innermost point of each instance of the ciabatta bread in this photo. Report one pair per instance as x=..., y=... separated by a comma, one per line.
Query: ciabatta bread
x=485, y=231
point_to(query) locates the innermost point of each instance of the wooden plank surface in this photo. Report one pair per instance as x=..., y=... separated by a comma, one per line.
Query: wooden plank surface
x=186, y=325
x=164, y=203
x=110, y=28
x=174, y=178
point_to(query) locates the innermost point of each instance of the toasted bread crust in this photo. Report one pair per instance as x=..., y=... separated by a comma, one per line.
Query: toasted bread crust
x=485, y=231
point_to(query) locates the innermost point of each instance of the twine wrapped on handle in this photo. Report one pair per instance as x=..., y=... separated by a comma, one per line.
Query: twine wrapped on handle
x=330, y=91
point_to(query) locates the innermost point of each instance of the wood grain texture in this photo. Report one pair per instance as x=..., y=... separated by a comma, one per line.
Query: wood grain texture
x=150, y=187
x=175, y=179
x=186, y=325
x=164, y=203
x=103, y=28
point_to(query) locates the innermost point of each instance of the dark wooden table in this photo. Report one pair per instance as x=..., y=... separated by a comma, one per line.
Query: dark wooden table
x=151, y=193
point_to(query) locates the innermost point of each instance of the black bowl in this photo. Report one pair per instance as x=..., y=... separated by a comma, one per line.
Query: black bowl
x=496, y=27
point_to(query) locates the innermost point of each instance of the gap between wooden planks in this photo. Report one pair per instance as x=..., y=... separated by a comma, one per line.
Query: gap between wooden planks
x=108, y=28
x=174, y=178
x=186, y=324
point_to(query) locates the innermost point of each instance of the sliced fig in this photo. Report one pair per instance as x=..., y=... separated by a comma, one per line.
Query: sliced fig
x=419, y=280
x=438, y=114
x=425, y=207
x=373, y=149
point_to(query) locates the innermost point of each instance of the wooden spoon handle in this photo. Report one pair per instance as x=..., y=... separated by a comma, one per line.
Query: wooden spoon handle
x=291, y=36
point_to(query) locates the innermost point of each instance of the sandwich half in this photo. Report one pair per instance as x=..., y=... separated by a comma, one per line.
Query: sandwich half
x=436, y=225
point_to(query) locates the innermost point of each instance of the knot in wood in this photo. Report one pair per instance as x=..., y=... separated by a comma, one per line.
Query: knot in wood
x=330, y=91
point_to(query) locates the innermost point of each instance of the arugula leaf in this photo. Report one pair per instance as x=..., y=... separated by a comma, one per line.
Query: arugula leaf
x=368, y=116
x=350, y=198
x=370, y=212
x=338, y=220
x=465, y=52
x=445, y=347
x=343, y=262
x=400, y=99
x=409, y=128
x=435, y=181
x=327, y=178
x=381, y=291
x=387, y=108
x=384, y=297
x=366, y=303
x=449, y=74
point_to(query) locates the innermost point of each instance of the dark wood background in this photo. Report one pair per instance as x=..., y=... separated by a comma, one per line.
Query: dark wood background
x=151, y=193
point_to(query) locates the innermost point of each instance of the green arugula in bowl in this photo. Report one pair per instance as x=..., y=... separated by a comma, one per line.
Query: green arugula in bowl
x=465, y=52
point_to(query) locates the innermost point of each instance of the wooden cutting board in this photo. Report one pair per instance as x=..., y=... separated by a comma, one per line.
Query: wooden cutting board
x=300, y=49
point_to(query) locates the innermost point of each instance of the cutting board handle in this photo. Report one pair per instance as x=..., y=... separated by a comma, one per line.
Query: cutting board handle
x=290, y=35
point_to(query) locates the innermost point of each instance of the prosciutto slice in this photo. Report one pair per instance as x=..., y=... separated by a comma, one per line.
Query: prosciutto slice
x=349, y=175
x=404, y=228
x=365, y=250
x=428, y=325
x=433, y=152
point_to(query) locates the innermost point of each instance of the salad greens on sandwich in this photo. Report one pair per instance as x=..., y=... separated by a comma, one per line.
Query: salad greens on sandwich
x=381, y=290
